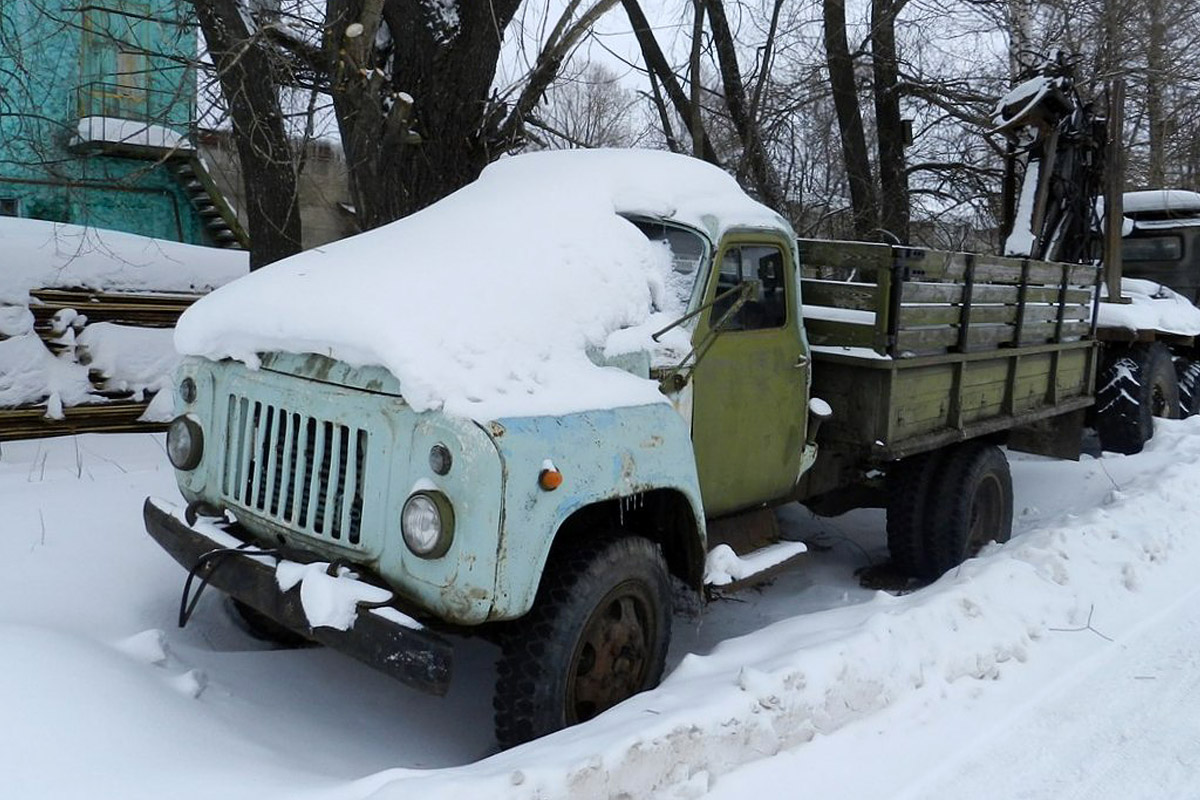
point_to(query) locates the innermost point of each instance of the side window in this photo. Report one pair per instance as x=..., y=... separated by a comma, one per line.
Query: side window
x=767, y=305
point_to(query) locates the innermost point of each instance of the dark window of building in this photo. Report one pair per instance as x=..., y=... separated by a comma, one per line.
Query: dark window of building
x=10, y=207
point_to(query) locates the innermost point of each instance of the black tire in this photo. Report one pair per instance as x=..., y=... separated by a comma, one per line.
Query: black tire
x=1133, y=389
x=908, y=489
x=1188, y=374
x=972, y=505
x=265, y=629
x=597, y=634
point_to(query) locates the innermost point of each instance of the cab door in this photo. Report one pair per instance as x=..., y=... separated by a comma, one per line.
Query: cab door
x=751, y=386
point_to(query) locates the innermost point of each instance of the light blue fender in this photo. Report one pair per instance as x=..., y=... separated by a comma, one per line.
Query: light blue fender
x=609, y=455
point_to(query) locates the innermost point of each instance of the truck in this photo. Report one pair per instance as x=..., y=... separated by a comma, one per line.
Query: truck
x=1063, y=200
x=544, y=410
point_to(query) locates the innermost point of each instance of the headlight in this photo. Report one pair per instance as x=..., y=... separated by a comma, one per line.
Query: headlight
x=427, y=524
x=185, y=443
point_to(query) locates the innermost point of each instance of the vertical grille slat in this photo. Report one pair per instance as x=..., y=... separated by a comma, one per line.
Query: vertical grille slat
x=281, y=504
x=256, y=457
x=270, y=501
x=330, y=519
x=243, y=454
x=295, y=469
x=350, y=483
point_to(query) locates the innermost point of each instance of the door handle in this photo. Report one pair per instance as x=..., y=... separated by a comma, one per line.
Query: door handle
x=801, y=361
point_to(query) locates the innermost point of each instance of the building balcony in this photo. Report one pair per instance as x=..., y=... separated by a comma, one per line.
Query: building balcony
x=131, y=121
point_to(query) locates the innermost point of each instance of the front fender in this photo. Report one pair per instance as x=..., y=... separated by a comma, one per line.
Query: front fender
x=603, y=455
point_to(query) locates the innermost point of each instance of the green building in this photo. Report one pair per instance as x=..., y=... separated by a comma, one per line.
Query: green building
x=97, y=119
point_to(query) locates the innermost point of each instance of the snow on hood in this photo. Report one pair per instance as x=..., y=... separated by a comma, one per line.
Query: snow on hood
x=487, y=303
x=1152, y=306
x=39, y=254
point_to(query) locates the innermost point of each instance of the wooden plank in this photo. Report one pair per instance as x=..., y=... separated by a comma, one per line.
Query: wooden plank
x=919, y=316
x=1045, y=331
x=840, y=294
x=921, y=292
x=921, y=341
x=835, y=255
x=844, y=334
x=29, y=422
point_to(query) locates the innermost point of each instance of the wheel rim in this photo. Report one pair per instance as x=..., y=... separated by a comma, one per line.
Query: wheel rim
x=613, y=655
x=987, y=510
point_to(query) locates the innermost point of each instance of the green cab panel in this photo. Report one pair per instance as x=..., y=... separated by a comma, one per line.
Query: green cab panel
x=751, y=384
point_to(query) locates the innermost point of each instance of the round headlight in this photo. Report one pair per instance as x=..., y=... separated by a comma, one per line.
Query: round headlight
x=187, y=390
x=427, y=524
x=185, y=443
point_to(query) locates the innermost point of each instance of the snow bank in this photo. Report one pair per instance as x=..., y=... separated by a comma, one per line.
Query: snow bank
x=129, y=358
x=801, y=678
x=41, y=254
x=1152, y=306
x=29, y=373
x=487, y=303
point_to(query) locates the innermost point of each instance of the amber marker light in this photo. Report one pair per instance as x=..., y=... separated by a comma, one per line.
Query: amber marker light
x=549, y=478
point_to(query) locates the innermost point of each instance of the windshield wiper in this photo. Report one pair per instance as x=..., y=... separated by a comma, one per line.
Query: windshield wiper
x=675, y=379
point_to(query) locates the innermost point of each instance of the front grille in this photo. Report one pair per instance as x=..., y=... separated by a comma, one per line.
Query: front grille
x=298, y=470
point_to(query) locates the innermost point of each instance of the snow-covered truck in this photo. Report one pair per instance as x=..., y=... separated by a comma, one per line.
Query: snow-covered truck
x=533, y=410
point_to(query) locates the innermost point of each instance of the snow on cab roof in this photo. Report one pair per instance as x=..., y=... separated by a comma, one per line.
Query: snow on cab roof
x=1162, y=201
x=487, y=303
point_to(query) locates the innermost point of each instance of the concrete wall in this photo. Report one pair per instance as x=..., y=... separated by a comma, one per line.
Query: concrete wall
x=324, y=186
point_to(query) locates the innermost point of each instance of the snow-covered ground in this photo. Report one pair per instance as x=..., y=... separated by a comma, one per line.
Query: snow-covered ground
x=1063, y=664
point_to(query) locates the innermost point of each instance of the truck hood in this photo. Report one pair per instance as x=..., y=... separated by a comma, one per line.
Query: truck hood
x=485, y=304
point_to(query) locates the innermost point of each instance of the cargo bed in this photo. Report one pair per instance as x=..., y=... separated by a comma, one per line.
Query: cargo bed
x=916, y=349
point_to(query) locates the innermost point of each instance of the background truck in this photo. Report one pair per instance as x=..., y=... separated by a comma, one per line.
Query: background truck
x=561, y=533
x=1064, y=200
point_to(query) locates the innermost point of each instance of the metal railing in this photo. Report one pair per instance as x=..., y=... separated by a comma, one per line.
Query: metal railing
x=135, y=115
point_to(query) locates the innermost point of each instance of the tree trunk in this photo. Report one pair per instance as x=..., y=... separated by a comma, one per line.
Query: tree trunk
x=656, y=63
x=845, y=101
x=893, y=180
x=268, y=166
x=1156, y=77
x=763, y=175
x=448, y=73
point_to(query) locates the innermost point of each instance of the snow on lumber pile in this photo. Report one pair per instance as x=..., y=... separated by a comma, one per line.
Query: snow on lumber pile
x=85, y=318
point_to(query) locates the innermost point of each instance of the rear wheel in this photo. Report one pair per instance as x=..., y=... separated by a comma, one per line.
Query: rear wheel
x=1133, y=389
x=596, y=635
x=908, y=498
x=1188, y=373
x=973, y=506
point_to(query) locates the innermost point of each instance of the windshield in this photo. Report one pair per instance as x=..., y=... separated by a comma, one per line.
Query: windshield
x=688, y=251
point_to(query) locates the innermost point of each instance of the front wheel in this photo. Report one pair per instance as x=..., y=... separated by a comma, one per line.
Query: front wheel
x=596, y=635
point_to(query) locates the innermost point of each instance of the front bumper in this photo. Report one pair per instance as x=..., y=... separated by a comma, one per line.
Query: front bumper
x=418, y=658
